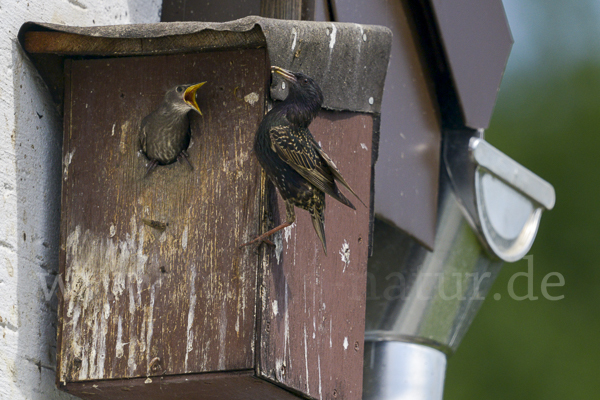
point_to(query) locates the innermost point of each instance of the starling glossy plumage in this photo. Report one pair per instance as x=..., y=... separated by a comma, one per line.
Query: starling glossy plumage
x=165, y=132
x=293, y=160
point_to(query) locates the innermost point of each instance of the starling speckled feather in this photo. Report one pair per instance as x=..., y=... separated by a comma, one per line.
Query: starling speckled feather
x=293, y=160
x=165, y=132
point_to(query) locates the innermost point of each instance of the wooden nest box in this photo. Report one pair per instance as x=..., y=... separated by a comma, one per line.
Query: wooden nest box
x=159, y=302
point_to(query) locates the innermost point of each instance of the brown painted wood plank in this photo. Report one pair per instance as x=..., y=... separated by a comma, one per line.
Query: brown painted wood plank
x=207, y=10
x=63, y=233
x=312, y=305
x=139, y=301
x=281, y=9
x=71, y=44
x=211, y=386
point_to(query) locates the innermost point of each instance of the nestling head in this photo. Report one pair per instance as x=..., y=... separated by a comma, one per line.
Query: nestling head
x=183, y=97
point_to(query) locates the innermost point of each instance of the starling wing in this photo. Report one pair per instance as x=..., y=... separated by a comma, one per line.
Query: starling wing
x=299, y=150
x=336, y=173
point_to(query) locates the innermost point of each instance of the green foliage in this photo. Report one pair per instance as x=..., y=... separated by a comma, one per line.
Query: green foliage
x=544, y=349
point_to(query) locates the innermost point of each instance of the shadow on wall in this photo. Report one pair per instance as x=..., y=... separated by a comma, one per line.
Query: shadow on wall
x=37, y=142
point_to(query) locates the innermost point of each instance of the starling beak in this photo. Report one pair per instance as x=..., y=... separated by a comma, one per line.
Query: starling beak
x=293, y=160
x=165, y=134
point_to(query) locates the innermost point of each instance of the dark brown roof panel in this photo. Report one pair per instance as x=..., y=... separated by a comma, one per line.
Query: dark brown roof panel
x=477, y=41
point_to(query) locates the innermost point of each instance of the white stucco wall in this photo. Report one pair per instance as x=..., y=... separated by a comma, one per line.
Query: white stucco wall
x=30, y=170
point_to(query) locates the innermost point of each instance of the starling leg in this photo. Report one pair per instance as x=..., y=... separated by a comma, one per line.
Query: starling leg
x=151, y=166
x=184, y=155
x=290, y=219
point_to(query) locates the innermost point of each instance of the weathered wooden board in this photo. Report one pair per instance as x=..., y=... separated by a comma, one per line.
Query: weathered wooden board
x=139, y=301
x=313, y=306
x=72, y=44
x=210, y=386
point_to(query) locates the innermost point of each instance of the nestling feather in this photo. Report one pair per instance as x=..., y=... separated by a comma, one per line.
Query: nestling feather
x=165, y=132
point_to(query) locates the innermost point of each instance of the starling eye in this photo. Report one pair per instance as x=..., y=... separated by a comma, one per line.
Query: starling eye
x=179, y=89
x=305, y=80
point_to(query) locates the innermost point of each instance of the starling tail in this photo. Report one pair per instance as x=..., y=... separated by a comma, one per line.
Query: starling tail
x=317, y=215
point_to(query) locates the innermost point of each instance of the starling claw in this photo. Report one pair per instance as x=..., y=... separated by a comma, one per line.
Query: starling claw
x=264, y=236
x=151, y=166
x=184, y=155
x=258, y=239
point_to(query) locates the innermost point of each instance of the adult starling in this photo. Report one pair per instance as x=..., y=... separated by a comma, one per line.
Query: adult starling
x=165, y=134
x=293, y=160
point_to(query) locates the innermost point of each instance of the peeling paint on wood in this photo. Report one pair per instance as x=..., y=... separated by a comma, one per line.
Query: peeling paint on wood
x=151, y=265
x=155, y=285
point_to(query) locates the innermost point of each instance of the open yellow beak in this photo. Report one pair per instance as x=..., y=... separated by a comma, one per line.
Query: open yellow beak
x=190, y=96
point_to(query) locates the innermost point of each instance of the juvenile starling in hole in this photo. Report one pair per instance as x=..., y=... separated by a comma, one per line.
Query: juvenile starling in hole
x=165, y=134
x=293, y=160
